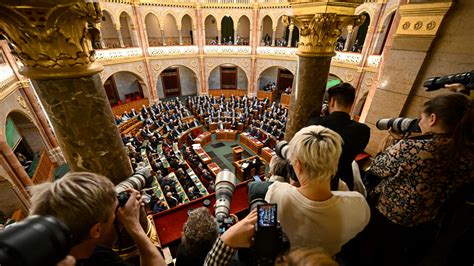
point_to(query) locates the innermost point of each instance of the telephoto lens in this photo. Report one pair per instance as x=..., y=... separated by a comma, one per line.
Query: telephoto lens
x=137, y=181
x=399, y=125
x=225, y=186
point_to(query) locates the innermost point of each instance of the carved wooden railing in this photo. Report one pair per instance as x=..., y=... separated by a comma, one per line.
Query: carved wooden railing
x=44, y=169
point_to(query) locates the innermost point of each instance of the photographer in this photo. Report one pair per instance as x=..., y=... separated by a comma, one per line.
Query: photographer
x=87, y=204
x=312, y=215
x=418, y=176
x=237, y=236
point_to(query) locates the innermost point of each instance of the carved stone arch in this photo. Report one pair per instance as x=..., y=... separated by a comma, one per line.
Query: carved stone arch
x=171, y=13
x=366, y=9
x=233, y=61
x=111, y=15
x=138, y=75
x=148, y=12
x=184, y=13
x=247, y=16
x=123, y=10
x=290, y=68
x=388, y=13
x=190, y=63
x=207, y=14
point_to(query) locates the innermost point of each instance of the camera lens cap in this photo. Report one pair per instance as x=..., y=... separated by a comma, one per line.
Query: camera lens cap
x=206, y=203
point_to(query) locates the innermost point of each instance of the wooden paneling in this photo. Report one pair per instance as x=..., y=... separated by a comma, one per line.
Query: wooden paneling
x=137, y=105
x=44, y=170
x=228, y=93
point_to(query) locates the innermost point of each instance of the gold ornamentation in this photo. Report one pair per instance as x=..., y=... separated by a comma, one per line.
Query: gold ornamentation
x=21, y=102
x=50, y=37
x=140, y=68
x=369, y=81
x=349, y=77
x=431, y=25
x=418, y=25
x=156, y=67
x=319, y=32
x=406, y=25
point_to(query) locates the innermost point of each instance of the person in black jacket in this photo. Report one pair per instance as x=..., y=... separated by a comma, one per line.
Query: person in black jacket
x=355, y=135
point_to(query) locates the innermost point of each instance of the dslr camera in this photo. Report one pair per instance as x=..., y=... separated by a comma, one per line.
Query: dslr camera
x=37, y=240
x=225, y=186
x=137, y=181
x=281, y=150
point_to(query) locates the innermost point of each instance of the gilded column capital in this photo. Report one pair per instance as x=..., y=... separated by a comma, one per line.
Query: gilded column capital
x=319, y=32
x=51, y=38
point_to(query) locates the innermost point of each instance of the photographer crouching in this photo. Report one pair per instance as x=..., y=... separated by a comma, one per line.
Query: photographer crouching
x=418, y=175
x=87, y=204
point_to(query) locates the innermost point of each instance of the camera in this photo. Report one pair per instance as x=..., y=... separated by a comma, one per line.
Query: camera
x=436, y=83
x=399, y=125
x=281, y=150
x=225, y=186
x=270, y=241
x=37, y=240
x=137, y=181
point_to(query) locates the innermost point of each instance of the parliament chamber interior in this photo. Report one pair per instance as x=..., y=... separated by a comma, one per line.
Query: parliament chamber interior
x=214, y=103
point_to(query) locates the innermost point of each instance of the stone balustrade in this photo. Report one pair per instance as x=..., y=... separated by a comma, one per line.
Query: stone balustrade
x=6, y=75
x=276, y=51
x=173, y=50
x=347, y=58
x=374, y=60
x=114, y=54
x=227, y=49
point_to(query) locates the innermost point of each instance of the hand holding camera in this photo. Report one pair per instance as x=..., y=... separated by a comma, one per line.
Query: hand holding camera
x=128, y=214
x=241, y=234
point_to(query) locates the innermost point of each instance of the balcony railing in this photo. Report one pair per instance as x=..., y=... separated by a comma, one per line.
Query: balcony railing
x=227, y=49
x=276, y=51
x=113, y=54
x=6, y=75
x=374, y=60
x=173, y=50
x=347, y=58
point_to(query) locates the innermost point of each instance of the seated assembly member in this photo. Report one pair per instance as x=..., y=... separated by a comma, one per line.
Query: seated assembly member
x=87, y=204
x=311, y=215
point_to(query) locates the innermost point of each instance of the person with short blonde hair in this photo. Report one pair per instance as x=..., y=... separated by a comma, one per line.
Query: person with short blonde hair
x=312, y=215
x=87, y=204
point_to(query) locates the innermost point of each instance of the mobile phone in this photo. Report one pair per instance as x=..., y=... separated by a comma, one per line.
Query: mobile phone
x=267, y=216
x=267, y=233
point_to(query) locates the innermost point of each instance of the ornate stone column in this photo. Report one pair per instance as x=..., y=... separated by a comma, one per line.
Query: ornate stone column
x=347, y=44
x=134, y=36
x=119, y=33
x=273, y=36
x=318, y=36
x=290, y=34
x=163, y=36
x=56, y=51
x=219, y=35
x=180, y=37
x=235, y=33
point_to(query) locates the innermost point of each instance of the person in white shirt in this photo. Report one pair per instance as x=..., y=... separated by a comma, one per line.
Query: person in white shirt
x=312, y=215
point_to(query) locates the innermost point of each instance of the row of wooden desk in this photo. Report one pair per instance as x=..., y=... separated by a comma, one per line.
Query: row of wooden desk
x=250, y=142
x=203, y=139
x=226, y=135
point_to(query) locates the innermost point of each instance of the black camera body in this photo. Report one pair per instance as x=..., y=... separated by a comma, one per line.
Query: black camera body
x=122, y=198
x=436, y=83
x=270, y=241
x=281, y=150
x=37, y=240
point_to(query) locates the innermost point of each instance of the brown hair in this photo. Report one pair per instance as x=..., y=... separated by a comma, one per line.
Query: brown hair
x=456, y=114
x=199, y=232
x=79, y=199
